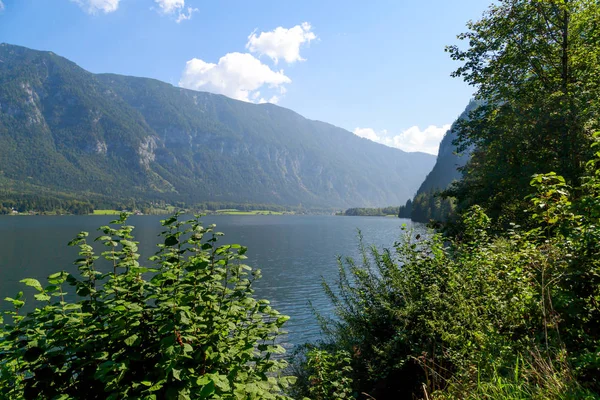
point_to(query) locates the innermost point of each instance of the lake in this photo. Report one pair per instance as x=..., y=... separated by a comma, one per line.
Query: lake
x=294, y=253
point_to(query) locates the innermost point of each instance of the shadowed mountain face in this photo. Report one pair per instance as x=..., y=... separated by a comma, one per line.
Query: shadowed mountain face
x=63, y=129
x=448, y=161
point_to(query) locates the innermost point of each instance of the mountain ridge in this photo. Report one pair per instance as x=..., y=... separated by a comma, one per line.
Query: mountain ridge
x=69, y=130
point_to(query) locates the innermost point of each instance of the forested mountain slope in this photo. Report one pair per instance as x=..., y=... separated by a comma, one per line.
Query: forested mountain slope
x=63, y=129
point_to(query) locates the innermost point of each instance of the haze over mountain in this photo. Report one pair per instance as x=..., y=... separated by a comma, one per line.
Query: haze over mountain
x=63, y=129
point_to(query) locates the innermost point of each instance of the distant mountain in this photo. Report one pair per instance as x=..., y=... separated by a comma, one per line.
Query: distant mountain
x=66, y=130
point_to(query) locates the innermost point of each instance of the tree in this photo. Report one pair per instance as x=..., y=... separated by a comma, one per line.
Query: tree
x=431, y=206
x=535, y=64
x=405, y=210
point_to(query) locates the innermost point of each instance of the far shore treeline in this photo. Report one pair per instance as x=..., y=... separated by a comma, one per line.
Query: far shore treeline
x=372, y=212
x=53, y=205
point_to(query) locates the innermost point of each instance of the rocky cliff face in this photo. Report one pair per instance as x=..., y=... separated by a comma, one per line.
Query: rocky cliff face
x=68, y=130
x=448, y=161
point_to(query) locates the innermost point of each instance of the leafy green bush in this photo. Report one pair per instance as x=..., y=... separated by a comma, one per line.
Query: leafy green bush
x=329, y=375
x=454, y=317
x=189, y=327
x=323, y=373
x=428, y=310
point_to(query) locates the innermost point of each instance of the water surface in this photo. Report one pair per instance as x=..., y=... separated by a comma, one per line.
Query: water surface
x=294, y=253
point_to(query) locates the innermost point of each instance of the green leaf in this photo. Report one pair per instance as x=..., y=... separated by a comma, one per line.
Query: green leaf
x=169, y=221
x=207, y=390
x=183, y=318
x=171, y=241
x=42, y=297
x=156, y=387
x=34, y=283
x=176, y=374
x=16, y=303
x=57, y=278
x=131, y=340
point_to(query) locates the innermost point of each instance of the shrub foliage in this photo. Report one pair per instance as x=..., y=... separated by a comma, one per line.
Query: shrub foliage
x=187, y=327
x=487, y=314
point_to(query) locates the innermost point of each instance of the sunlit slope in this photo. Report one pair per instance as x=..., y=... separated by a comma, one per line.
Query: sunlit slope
x=68, y=130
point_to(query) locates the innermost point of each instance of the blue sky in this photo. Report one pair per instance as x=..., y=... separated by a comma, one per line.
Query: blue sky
x=376, y=68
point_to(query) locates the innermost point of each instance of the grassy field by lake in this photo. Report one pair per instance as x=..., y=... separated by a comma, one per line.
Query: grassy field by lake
x=106, y=212
x=253, y=212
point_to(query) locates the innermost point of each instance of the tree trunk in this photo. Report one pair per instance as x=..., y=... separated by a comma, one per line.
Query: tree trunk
x=567, y=154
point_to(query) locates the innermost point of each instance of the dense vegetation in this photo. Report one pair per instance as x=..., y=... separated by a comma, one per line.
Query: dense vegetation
x=536, y=66
x=372, y=212
x=28, y=201
x=186, y=327
x=66, y=130
x=24, y=203
x=428, y=206
x=481, y=316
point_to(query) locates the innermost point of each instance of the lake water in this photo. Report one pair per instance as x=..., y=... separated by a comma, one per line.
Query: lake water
x=294, y=253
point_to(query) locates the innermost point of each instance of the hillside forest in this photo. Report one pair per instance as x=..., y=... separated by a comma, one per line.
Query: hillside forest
x=108, y=140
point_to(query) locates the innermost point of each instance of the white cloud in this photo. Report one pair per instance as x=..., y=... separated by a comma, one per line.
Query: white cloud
x=281, y=42
x=273, y=100
x=412, y=139
x=243, y=76
x=367, y=133
x=95, y=6
x=183, y=16
x=236, y=75
x=1, y=6
x=176, y=7
x=170, y=6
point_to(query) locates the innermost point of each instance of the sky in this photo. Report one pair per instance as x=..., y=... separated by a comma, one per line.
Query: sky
x=376, y=68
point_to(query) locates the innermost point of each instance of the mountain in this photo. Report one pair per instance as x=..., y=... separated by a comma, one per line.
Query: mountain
x=66, y=130
x=427, y=204
x=448, y=161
